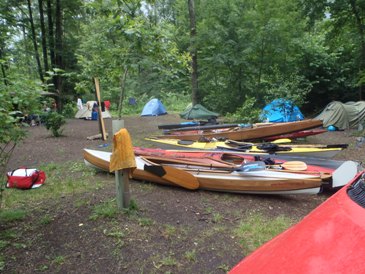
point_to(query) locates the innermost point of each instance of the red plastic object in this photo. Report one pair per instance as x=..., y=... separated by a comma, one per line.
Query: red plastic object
x=328, y=240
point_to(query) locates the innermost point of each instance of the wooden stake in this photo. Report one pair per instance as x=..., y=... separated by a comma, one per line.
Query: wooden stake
x=101, y=119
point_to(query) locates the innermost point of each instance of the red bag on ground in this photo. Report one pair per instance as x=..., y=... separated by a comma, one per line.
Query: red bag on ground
x=25, y=178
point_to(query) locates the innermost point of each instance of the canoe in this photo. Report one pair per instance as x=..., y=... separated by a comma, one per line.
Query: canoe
x=255, y=181
x=328, y=240
x=323, y=151
x=259, y=132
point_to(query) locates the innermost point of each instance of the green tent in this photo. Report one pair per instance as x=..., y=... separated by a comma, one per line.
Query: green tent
x=343, y=116
x=198, y=112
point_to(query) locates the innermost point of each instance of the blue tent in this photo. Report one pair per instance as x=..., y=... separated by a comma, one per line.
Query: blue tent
x=281, y=110
x=153, y=108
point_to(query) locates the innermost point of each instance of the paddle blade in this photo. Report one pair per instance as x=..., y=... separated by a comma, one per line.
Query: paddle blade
x=295, y=165
x=344, y=173
x=174, y=175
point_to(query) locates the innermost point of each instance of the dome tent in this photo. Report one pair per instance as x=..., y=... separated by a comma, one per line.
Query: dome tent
x=281, y=110
x=153, y=108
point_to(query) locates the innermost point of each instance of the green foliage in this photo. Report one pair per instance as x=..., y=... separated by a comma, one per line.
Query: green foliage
x=54, y=121
x=69, y=110
x=247, y=113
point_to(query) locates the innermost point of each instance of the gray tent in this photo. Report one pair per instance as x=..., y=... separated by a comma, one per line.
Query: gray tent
x=343, y=115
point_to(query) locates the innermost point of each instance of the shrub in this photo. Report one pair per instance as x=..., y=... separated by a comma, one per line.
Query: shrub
x=54, y=121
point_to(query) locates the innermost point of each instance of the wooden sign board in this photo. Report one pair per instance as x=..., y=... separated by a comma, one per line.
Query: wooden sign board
x=101, y=119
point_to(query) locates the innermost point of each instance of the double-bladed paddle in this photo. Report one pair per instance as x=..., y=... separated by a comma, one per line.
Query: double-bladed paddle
x=174, y=175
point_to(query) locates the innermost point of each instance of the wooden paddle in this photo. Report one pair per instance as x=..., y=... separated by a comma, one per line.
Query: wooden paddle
x=294, y=165
x=174, y=175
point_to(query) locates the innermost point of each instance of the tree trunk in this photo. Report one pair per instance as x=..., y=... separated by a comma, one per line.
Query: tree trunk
x=43, y=31
x=3, y=70
x=193, y=54
x=50, y=33
x=122, y=92
x=34, y=38
x=51, y=40
x=360, y=27
x=58, y=52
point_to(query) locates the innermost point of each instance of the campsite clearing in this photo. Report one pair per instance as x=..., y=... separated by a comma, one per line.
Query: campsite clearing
x=76, y=229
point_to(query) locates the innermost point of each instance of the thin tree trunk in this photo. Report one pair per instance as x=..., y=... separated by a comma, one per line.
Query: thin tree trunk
x=360, y=27
x=50, y=33
x=122, y=92
x=43, y=31
x=193, y=54
x=51, y=40
x=58, y=52
x=3, y=70
x=35, y=41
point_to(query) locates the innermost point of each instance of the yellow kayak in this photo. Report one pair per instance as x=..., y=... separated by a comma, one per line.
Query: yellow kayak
x=307, y=150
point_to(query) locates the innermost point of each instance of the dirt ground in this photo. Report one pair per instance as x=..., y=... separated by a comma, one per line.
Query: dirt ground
x=175, y=230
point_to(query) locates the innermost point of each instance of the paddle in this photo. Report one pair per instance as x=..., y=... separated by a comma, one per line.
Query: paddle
x=174, y=175
x=294, y=165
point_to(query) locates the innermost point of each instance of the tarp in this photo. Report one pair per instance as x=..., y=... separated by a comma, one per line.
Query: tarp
x=153, y=108
x=86, y=111
x=281, y=110
x=343, y=115
x=198, y=112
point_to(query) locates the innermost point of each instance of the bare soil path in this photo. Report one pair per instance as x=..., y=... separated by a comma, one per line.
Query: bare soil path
x=173, y=230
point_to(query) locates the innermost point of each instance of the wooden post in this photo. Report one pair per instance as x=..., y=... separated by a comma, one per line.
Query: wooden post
x=100, y=118
x=121, y=176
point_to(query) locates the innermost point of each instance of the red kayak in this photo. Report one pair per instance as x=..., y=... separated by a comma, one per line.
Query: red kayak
x=328, y=240
x=218, y=157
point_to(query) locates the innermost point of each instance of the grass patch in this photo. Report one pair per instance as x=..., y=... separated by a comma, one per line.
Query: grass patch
x=80, y=179
x=106, y=209
x=169, y=231
x=2, y=263
x=191, y=255
x=45, y=220
x=145, y=222
x=59, y=260
x=256, y=230
x=7, y=216
x=217, y=217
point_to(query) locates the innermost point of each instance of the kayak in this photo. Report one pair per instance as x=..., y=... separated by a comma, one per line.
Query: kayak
x=328, y=240
x=323, y=151
x=258, y=132
x=249, y=178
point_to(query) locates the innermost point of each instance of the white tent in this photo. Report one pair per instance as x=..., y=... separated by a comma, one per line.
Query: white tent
x=85, y=112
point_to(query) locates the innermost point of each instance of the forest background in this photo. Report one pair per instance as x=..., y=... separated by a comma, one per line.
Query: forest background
x=247, y=52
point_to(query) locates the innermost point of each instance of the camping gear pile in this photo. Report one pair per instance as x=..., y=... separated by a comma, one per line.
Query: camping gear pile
x=89, y=111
